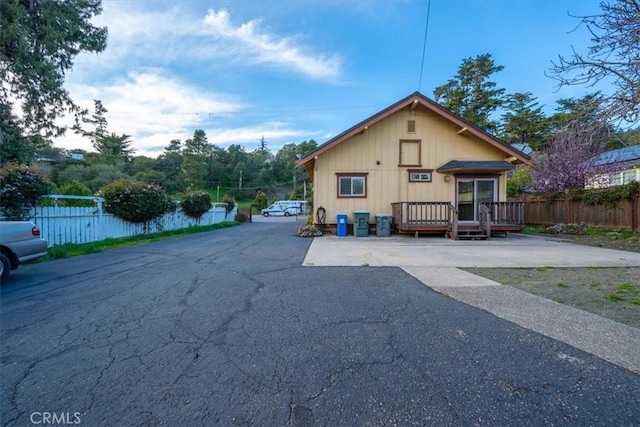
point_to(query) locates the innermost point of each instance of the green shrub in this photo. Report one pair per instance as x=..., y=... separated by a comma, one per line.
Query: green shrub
x=75, y=188
x=260, y=201
x=196, y=203
x=518, y=182
x=229, y=204
x=135, y=201
x=20, y=191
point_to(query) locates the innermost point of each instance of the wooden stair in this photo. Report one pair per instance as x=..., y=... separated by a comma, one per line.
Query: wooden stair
x=471, y=233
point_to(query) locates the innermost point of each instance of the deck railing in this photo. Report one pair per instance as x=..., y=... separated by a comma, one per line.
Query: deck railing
x=485, y=220
x=452, y=229
x=506, y=213
x=425, y=216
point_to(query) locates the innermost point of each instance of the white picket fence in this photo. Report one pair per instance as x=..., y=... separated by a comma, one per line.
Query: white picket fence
x=62, y=224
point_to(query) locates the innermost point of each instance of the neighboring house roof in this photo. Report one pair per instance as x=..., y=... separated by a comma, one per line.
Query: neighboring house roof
x=476, y=166
x=621, y=155
x=524, y=147
x=413, y=100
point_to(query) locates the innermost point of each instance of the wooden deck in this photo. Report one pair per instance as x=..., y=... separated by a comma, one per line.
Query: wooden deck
x=442, y=218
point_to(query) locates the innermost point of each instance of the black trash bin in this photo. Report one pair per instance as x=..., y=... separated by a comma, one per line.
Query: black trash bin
x=383, y=225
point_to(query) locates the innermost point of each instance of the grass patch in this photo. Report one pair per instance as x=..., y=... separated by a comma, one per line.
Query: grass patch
x=626, y=292
x=69, y=250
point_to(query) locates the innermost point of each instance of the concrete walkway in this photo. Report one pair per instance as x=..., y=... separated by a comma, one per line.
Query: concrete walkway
x=436, y=261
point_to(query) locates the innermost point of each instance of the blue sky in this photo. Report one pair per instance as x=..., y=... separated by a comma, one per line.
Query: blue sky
x=294, y=70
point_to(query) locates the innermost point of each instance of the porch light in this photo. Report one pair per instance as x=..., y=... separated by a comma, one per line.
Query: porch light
x=447, y=178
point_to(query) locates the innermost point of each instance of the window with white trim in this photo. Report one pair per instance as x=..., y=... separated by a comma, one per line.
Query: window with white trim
x=615, y=178
x=352, y=185
x=629, y=176
x=420, y=175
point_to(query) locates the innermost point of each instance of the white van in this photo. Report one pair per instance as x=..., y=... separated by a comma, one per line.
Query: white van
x=286, y=208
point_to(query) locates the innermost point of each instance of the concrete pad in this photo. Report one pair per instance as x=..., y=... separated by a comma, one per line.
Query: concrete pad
x=448, y=276
x=515, y=251
x=612, y=341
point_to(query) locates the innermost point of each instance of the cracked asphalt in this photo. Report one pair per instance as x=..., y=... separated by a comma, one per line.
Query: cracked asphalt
x=228, y=328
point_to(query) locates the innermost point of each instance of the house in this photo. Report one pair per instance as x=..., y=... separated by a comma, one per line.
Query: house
x=431, y=170
x=623, y=167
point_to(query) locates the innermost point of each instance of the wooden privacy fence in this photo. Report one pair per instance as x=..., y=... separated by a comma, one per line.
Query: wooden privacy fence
x=625, y=216
x=63, y=224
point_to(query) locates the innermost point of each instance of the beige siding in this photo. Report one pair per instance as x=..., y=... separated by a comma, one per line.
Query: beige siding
x=376, y=152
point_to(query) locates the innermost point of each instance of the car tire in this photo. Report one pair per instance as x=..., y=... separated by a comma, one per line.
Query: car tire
x=266, y=214
x=5, y=268
x=286, y=213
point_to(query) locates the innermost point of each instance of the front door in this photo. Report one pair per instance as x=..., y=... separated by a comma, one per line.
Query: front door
x=471, y=192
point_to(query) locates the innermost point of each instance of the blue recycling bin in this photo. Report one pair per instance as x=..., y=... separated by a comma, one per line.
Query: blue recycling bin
x=341, y=228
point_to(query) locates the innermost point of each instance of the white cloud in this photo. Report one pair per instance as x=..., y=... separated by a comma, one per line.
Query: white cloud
x=260, y=47
x=176, y=35
x=136, y=77
x=154, y=109
x=150, y=107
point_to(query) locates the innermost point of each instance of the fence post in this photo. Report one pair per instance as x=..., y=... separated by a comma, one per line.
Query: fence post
x=99, y=201
x=635, y=213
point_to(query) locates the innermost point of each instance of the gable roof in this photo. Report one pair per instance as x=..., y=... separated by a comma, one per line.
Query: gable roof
x=413, y=100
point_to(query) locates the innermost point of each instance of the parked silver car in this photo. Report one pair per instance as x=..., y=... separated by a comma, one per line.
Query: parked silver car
x=20, y=241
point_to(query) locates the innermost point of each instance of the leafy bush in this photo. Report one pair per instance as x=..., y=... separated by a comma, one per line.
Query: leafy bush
x=611, y=196
x=134, y=201
x=229, y=204
x=20, y=190
x=519, y=182
x=607, y=197
x=75, y=188
x=260, y=201
x=196, y=203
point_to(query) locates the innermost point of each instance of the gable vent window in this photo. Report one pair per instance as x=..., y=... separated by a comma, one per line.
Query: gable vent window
x=411, y=126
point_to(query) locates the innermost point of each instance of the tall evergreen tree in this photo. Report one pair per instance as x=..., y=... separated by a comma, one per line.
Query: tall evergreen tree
x=471, y=94
x=195, y=154
x=98, y=121
x=524, y=122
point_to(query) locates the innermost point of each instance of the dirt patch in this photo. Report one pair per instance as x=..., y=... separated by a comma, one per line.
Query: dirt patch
x=609, y=292
x=610, y=240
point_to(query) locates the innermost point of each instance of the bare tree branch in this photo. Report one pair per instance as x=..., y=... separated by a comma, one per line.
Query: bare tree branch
x=614, y=54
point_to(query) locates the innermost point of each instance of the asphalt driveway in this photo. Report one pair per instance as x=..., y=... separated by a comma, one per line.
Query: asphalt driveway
x=229, y=328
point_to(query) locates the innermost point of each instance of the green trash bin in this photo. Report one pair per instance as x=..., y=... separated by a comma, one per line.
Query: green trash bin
x=361, y=223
